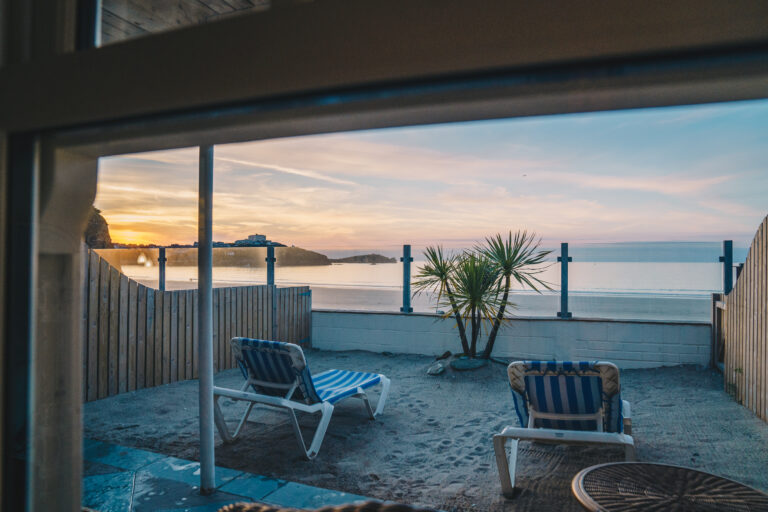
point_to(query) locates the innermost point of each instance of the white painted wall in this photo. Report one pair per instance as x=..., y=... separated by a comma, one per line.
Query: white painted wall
x=629, y=344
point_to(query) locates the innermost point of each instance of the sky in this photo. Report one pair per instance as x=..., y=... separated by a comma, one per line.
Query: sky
x=674, y=174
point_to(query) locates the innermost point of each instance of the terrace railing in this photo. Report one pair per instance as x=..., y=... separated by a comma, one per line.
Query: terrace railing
x=741, y=320
x=136, y=337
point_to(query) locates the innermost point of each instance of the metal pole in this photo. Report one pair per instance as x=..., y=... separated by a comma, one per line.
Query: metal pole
x=205, y=325
x=270, y=265
x=161, y=259
x=727, y=259
x=564, y=259
x=406, y=259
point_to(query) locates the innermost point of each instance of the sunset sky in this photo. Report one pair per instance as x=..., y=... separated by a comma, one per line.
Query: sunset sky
x=684, y=173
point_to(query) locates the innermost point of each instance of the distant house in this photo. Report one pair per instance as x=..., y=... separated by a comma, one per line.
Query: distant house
x=253, y=241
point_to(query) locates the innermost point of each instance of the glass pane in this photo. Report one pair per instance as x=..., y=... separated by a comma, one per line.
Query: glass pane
x=370, y=282
x=127, y=19
x=645, y=280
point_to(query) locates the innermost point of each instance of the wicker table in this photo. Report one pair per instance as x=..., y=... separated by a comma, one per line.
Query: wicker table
x=635, y=486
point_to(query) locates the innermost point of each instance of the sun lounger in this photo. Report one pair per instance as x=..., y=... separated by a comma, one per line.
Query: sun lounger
x=278, y=376
x=563, y=402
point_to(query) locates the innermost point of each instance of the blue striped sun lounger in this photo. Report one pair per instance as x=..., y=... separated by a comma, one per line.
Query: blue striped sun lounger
x=563, y=402
x=277, y=375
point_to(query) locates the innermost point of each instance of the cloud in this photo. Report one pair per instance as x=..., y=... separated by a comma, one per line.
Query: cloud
x=288, y=170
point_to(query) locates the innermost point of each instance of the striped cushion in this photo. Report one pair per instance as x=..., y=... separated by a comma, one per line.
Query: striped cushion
x=564, y=394
x=333, y=385
x=277, y=363
x=569, y=388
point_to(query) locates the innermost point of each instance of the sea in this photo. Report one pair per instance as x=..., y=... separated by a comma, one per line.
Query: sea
x=641, y=281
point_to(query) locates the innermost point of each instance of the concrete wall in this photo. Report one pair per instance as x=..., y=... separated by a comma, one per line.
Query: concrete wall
x=629, y=344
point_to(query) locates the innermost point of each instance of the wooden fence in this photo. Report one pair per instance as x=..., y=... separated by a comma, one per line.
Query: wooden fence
x=742, y=322
x=137, y=337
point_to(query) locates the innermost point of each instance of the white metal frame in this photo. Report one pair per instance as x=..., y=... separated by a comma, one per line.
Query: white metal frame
x=506, y=458
x=324, y=408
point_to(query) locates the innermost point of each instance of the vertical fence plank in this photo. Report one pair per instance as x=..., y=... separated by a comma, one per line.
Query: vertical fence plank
x=141, y=337
x=228, y=317
x=85, y=261
x=250, y=311
x=94, y=266
x=159, y=340
x=173, y=358
x=195, y=339
x=149, y=372
x=114, y=306
x=217, y=317
x=189, y=355
x=263, y=318
x=166, y=339
x=103, y=374
x=133, y=305
x=122, y=336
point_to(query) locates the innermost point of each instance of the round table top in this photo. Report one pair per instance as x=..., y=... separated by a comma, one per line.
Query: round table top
x=631, y=486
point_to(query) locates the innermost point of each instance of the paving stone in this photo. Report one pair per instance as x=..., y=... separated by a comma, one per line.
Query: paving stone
x=119, y=456
x=152, y=494
x=255, y=487
x=305, y=496
x=108, y=492
x=186, y=471
x=91, y=468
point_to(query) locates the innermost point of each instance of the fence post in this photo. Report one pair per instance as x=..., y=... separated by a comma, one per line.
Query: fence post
x=270, y=265
x=739, y=268
x=161, y=259
x=727, y=259
x=406, y=259
x=564, y=259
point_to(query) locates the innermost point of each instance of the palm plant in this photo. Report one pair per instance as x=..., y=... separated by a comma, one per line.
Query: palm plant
x=515, y=257
x=474, y=286
x=476, y=293
x=435, y=276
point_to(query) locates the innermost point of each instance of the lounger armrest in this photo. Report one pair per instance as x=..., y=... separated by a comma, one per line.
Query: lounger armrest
x=626, y=413
x=566, y=436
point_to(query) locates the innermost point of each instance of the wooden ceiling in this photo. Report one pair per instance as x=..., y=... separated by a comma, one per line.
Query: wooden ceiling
x=126, y=19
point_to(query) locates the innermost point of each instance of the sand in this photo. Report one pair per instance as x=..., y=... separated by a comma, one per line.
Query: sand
x=432, y=446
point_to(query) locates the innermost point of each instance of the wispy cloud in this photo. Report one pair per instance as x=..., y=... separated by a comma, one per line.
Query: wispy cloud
x=288, y=170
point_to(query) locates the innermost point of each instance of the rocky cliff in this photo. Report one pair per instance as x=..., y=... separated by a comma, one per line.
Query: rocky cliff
x=97, y=231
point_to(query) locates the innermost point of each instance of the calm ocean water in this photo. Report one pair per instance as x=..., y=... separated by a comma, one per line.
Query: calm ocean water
x=655, y=287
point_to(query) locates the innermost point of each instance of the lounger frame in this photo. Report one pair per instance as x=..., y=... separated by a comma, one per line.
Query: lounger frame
x=286, y=403
x=505, y=443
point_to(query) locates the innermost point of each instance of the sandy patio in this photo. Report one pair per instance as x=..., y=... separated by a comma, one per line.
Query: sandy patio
x=432, y=446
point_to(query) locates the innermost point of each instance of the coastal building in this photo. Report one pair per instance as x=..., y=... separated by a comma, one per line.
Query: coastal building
x=253, y=241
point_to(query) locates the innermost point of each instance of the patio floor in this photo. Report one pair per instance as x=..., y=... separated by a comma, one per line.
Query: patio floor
x=118, y=478
x=432, y=446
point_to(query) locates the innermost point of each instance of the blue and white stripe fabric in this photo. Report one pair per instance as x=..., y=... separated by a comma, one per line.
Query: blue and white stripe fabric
x=565, y=387
x=333, y=385
x=281, y=364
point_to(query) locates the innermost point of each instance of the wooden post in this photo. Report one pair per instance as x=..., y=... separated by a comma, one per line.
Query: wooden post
x=564, y=259
x=161, y=259
x=406, y=259
x=727, y=260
